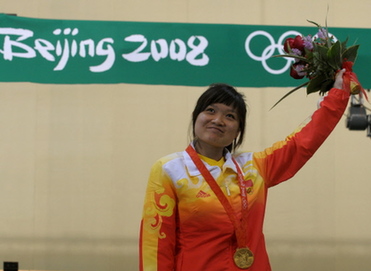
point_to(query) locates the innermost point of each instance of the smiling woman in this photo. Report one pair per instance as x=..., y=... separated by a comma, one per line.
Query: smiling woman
x=204, y=207
x=217, y=122
x=77, y=146
x=215, y=128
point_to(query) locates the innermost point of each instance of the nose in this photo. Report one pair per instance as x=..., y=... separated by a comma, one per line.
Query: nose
x=218, y=120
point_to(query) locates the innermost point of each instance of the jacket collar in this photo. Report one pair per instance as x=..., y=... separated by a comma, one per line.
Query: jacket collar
x=193, y=170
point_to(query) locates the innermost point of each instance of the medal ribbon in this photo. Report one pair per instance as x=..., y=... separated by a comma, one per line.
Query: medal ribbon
x=240, y=228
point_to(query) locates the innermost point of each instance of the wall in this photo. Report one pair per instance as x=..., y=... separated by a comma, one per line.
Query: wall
x=74, y=159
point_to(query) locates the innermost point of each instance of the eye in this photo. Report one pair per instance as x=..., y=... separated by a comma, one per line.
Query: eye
x=231, y=116
x=210, y=109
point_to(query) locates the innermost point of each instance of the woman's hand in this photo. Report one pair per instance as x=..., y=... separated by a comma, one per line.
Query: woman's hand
x=339, y=79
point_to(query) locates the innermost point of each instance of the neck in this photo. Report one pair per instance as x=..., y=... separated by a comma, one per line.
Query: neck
x=212, y=152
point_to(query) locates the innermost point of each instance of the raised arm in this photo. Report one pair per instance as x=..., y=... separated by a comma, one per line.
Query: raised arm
x=282, y=160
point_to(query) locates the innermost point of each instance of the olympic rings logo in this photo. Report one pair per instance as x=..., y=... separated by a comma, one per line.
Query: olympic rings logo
x=269, y=50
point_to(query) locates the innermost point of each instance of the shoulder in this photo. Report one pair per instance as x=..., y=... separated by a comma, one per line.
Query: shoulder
x=172, y=158
x=174, y=166
x=170, y=162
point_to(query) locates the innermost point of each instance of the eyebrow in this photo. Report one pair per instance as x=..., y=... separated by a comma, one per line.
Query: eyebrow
x=230, y=109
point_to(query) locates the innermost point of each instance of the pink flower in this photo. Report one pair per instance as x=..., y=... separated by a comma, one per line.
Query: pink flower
x=322, y=34
x=297, y=71
x=297, y=52
x=308, y=42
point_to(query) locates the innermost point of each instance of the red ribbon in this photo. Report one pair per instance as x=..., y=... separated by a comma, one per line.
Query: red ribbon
x=350, y=80
x=239, y=226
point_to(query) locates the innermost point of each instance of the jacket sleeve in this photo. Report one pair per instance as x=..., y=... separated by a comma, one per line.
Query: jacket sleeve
x=283, y=159
x=158, y=226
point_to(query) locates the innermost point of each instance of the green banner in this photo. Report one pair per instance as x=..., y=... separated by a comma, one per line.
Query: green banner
x=107, y=52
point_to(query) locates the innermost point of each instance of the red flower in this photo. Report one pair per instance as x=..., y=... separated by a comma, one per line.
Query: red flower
x=317, y=58
x=297, y=43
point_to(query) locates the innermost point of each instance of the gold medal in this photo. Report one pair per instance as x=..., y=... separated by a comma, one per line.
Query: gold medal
x=243, y=258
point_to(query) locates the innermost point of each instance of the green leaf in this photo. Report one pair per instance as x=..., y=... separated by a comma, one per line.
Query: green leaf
x=326, y=85
x=322, y=53
x=334, y=56
x=290, y=92
x=316, y=58
x=344, y=44
x=315, y=83
x=314, y=23
x=320, y=59
x=292, y=56
x=351, y=53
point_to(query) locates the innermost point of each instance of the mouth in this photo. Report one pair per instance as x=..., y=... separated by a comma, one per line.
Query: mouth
x=216, y=129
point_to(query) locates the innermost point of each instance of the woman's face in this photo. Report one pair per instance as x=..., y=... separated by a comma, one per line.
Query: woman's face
x=217, y=126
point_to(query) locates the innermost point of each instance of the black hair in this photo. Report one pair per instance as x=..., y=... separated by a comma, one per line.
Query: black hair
x=224, y=94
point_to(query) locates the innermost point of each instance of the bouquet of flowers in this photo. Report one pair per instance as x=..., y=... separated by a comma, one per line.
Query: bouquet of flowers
x=319, y=58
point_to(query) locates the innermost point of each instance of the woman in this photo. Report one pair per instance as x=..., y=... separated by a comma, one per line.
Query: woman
x=204, y=207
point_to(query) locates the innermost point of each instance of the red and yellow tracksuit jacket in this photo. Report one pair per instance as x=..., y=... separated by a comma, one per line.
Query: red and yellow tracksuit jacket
x=185, y=227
